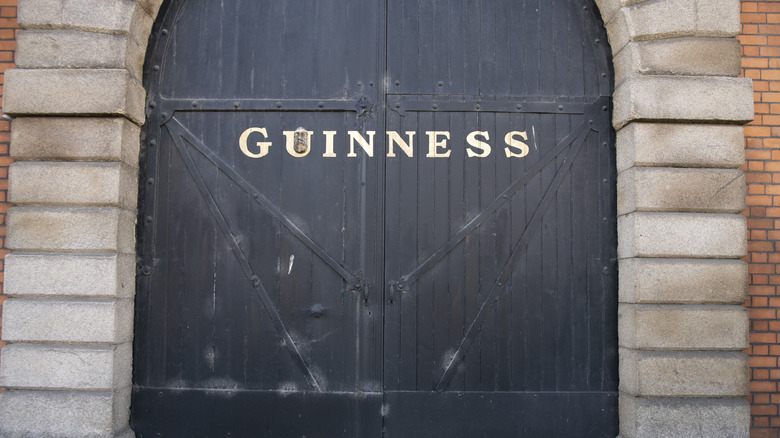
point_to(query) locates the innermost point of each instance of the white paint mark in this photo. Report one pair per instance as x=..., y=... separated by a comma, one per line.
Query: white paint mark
x=533, y=133
x=292, y=260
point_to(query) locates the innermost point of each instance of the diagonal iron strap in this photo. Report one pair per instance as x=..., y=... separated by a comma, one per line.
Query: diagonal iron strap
x=178, y=129
x=506, y=272
x=577, y=135
x=244, y=262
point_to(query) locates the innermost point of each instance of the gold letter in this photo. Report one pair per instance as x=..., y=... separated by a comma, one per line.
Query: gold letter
x=367, y=146
x=290, y=135
x=393, y=137
x=434, y=143
x=513, y=142
x=329, y=143
x=264, y=145
x=472, y=141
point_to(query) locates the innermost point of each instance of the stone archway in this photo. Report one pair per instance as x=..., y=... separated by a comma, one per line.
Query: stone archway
x=78, y=105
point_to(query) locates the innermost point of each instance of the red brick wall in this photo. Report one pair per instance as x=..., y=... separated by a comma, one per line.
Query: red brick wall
x=761, y=61
x=8, y=29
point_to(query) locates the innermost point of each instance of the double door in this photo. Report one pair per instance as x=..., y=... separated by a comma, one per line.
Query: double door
x=368, y=218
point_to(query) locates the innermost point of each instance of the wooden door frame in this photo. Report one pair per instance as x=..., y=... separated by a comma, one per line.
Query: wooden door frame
x=680, y=234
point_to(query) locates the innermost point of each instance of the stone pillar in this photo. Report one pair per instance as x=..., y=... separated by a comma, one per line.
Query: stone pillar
x=678, y=107
x=78, y=105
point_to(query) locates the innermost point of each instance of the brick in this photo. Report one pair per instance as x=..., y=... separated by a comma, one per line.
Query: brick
x=75, y=138
x=682, y=327
x=74, y=91
x=683, y=374
x=94, y=229
x=58, y=320
x=683, y=190
x=682, y=235
x=64, y=413
x=75, y=275
x=685, y=98
x=89, y=184
x=683, y=281
x=66, y=367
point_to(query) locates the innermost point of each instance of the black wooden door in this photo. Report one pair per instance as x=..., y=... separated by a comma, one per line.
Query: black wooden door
x=377, y=218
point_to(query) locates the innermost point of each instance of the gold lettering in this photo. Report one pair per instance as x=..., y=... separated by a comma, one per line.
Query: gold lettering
x=291, y=149
x=393, y=137
x=367, y=146
x=263, y=145
x=472, y=141
x=511, y=141
x=434, y=144
x=329, y=144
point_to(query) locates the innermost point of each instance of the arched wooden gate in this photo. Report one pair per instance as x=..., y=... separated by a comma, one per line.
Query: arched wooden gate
x=377, y=218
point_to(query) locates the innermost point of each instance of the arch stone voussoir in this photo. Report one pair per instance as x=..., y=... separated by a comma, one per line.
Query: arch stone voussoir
x=78, y=102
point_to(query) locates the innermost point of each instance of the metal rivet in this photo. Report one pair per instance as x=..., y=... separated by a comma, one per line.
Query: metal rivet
x=256, y=195
x=397, y=83
x=371, y=83
x=156, y=68
x=604, y=220
x=148, y=219
x=603, y=75
x=604, y=181
x=435, y=106
x=500, y=284
x=164, y=115
x=194, y=104
x=441, y=83
x=598, y=40
x=605, y=270
x=604, y=108
x=165, y=32
x=584, y=8
x=152, y=104
x=278, y=104
x=518, y=106
x=317, y=311
x=147, y=270
x=152, y=143
x=477, y=106
x=590, y=122
x=560, y=107
x=236, y=104
x=321, y=104
x=398, y=105
x=605, y=144
x=360, y=83
x=150, y=181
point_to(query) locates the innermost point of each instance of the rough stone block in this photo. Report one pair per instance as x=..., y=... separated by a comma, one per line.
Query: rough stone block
x=75, y=138
x=25, y=414
x=82, y=321
x=66, y=49
x=650, y=20
x=91, y=368
x=120, y=17
x=683, y=373
x=74, y=183
x=679, y=145
x=684, y=418
x=683, y=98
x=686, y=190
x=76, y=91
x=682, y=235
x=679, y=56
x=94, y=229
x=682, y=281
x=75, y=275
x=679, y=327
